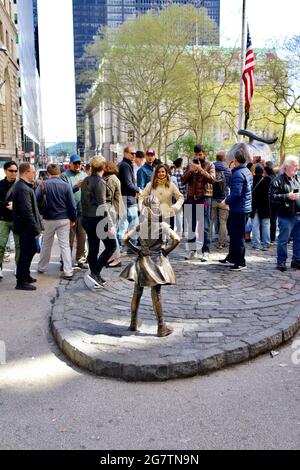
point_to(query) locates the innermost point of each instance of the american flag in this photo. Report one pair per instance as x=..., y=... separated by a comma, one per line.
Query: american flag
x=248, y=73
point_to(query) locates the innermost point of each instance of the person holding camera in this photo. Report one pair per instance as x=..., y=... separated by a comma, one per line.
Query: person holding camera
x=285, y=194
x=199, y=177
x=6, y=211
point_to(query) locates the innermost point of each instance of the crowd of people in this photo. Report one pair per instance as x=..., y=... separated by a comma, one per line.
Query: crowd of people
x=98, y=205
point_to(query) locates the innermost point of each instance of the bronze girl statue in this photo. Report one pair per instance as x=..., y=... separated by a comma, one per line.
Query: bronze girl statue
x=152, y=267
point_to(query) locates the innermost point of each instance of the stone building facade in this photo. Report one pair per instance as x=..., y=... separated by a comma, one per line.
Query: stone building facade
x=10, y=133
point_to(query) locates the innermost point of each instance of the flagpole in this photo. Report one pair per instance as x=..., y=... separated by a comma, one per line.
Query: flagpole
x=243, y=54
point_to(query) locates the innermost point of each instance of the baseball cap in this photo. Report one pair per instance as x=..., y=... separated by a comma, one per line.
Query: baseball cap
x=150, y=152
x=75, y=158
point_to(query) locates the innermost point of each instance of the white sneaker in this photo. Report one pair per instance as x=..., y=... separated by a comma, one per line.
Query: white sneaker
x=93, y=282
x=1, y=275
x=205, y=257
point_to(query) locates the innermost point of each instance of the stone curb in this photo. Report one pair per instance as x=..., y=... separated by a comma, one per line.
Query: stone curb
x=132, y=369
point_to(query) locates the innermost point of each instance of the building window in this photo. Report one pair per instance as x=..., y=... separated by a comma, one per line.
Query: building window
x=7, y=41
x=1, y=32
x=130, y=135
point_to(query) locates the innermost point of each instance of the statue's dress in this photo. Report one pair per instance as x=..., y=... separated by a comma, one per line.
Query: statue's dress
x=151, y=267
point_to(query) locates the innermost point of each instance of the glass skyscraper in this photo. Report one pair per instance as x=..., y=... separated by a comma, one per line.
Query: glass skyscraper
x=31, y=127
x=212, y=6
x=89, y=15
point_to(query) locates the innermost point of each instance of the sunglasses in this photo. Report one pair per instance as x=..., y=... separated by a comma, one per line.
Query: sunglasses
x=13, y=171
x=132, y=153
x=77, y=163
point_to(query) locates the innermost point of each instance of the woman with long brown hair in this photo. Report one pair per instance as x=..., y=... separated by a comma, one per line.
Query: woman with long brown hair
x=115, y=203
x=165, y=190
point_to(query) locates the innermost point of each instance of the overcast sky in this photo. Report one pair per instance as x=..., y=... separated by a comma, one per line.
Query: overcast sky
x=267, y=20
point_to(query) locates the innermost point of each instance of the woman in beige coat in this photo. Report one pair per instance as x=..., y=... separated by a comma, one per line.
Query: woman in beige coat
x=166, y=191
x=115, y=202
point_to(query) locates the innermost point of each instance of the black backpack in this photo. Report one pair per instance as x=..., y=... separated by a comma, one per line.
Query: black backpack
x=219, y=186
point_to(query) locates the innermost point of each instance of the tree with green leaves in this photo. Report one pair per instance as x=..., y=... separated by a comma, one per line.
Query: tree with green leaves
x=280, y=95
x=143, y=78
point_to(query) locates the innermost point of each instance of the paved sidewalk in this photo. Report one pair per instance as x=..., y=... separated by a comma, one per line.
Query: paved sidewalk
x=219, y=317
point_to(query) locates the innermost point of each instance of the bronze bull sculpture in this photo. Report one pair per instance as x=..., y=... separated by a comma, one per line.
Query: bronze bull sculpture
x=257, y=147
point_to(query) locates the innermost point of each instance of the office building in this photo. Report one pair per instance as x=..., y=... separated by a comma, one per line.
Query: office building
x=10, y=137
x=31, y=120
x=89, y=15
x=212, y=6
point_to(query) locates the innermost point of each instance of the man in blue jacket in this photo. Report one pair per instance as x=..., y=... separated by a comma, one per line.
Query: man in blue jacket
x=240, y=206
x=145, y=172
x=59, y=216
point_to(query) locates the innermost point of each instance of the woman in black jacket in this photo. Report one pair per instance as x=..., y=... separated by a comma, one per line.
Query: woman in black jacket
x=269, y=170
x=97, y=221
x=260, y=209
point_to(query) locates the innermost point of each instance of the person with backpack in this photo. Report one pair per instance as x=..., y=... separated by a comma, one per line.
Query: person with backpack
x=219, y=212
x=58, y=216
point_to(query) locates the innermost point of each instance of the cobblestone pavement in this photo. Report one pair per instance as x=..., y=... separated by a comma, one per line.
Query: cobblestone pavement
x=219, y=318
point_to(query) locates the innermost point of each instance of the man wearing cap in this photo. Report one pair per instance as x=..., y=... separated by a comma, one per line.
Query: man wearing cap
x=145, y=173
x=138, y=162
x=200, y=177
x=74, y=177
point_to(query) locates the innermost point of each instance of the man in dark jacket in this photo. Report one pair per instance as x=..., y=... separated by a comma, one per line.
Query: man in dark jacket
x=240, y=205
x=130, y=191
x=6, y=211
x=59, y=216
x=199, y=177
x=260, y=209
x=285, y=193
x=26, y=223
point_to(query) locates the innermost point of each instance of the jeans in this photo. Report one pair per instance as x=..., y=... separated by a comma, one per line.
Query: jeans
x=273, y=222
x=97, y=263
x=179, y=222
x=28, y=248
x=236, y=224
x=264, y=224
x=288, y=226
x=128, y=222
x=5, y=229
x=195, y=216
